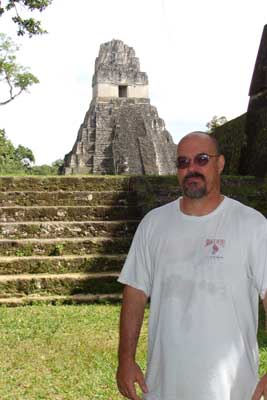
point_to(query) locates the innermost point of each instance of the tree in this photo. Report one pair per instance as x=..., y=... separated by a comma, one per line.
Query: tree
x=45, y=169
x=215, y=123
x=25, y=156
x=7, y=150
x=12, y=159
x=17, y=78
x=57, y=166
x=26, y=25
x=41, y=170
x=20, y=160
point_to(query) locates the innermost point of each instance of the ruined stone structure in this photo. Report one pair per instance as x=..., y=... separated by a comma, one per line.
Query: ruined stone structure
x=256, y=121
x=244, y=139
x=121, y=132
x=258, y=86
x=64, y=239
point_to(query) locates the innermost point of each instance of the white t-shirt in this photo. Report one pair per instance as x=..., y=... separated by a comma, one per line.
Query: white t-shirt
x=204, y=276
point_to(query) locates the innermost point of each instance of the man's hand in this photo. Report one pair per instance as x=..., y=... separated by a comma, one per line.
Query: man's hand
x=127, y=375
x=261, y=389
x=132, y=314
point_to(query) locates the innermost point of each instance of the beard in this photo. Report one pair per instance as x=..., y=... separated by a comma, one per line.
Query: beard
x=194, y=191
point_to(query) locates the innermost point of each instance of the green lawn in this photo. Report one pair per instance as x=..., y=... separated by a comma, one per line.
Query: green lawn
x=65, y=352
x=60, y=352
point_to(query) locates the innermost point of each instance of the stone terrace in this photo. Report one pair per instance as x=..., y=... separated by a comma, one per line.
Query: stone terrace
x=63, y=238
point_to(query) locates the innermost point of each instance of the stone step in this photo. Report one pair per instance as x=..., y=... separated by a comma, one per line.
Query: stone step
x=60, y=198
x=65, y=183
x=72, y=299
x=64, y=239
x=68, y=213
x=61, y=264
x=61, y=284
x=64, y=246
x=63, y=229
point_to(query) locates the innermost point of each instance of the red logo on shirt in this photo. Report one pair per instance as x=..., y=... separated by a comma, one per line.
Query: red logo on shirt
x=215, y=245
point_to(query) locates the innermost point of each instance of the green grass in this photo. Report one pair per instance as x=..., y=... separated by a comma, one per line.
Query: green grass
x=262, y=340
x=60, y=352
x=66, y=352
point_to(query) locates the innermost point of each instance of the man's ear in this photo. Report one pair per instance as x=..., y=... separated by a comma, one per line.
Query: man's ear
x=221, y=163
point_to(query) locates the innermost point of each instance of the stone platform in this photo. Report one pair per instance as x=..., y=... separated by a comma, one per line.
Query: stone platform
x=64, y=239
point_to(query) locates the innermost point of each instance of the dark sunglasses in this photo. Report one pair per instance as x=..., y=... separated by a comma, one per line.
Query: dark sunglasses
x=200, y=160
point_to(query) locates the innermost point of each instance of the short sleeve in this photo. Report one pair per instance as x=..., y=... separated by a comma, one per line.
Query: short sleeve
x=137, y=270
x=258, y=261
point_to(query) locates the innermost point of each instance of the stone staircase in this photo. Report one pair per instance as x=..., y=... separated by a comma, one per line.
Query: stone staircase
x=64, y=239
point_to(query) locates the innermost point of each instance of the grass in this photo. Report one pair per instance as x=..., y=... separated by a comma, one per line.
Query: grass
x=60, y=353
x=262, y=340
x=66, y=352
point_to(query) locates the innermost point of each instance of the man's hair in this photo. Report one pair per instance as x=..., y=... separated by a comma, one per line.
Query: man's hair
x=208, y=135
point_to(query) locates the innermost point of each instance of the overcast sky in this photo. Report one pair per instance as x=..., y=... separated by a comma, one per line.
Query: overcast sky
x=199, y=57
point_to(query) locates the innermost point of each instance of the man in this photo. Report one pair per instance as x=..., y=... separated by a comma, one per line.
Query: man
x=202, y=262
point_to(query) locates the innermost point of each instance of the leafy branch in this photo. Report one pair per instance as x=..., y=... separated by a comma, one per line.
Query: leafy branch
x=17, y=77
x=27, y=25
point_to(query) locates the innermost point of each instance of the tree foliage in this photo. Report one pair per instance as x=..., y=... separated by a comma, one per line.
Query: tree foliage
x=12, y=159
x=215, y=123
x=17, y=8
x=20, y=160
x=14, y=76
x=45, y=169
x=25, y=156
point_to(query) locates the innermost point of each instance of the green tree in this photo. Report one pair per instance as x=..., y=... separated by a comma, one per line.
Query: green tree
x=12, y=159
x=25, y=156
x=16, y=77
x=13, y=76
x=215, y=123
x=17, y=8
x=41, y=170
x=7, y=150
x=45, y=169
x=57, y=165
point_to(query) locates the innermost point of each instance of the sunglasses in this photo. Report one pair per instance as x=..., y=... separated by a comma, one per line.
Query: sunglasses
x=200, y=160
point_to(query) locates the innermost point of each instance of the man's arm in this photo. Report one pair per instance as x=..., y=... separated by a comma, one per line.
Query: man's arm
x=131, y=319
x=261, y=388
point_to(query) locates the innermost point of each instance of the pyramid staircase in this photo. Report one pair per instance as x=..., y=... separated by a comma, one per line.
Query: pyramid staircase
x=64, y=239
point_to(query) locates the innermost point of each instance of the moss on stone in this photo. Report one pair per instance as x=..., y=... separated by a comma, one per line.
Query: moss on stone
x=232, y=139
x=65, y=285
x=61, y=264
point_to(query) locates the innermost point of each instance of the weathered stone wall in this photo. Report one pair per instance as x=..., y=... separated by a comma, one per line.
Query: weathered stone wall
x=138, y=91
x=65, y=239
x=233, y=141
x=105, y=90
x=153, y=191
x=112, y=90
x=244, y=139
x=141, y=143
x=122, y=136
x=256, y=154
x=117, y=64
x=121, y=132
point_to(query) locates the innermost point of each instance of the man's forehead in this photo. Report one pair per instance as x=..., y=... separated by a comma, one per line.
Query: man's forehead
x=196, y=142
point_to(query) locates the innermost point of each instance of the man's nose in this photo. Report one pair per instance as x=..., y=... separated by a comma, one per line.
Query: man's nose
x=192, y=167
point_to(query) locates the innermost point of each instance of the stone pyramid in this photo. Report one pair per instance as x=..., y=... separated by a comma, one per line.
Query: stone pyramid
x=121, y=132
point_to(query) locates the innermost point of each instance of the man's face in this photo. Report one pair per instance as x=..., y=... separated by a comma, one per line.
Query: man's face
x=199, y=181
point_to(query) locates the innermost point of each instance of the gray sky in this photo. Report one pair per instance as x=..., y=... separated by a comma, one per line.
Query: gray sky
x=199, y=57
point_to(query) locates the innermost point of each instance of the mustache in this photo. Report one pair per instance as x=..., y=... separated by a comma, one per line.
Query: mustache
x=193, y=175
